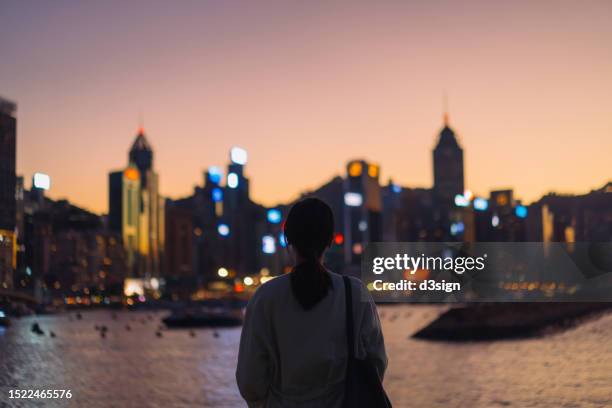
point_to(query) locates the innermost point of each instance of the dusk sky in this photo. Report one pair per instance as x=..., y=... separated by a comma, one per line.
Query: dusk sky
x=305, y=86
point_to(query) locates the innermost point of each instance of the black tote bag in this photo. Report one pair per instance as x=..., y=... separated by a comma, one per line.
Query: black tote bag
x=363, y=386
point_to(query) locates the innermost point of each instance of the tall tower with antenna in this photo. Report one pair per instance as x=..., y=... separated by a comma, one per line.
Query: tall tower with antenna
x=447, y=163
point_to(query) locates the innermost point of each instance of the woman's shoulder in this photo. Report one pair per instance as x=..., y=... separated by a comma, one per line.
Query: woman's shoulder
x=271, y=288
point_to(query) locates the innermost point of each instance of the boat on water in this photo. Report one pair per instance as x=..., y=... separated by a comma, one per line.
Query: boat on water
x=202, y=316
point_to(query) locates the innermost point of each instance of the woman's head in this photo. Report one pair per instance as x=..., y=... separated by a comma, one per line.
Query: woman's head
x=309, y=230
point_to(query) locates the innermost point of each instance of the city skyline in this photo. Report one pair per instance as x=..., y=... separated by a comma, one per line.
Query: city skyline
x=291, y=87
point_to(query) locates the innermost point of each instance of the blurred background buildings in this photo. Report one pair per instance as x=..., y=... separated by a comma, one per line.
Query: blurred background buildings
x=218, y=241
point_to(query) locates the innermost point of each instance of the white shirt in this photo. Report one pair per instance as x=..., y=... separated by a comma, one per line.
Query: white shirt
x=290, y=357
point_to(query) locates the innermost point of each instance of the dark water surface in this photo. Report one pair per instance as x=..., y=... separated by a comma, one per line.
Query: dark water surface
x=138, y=369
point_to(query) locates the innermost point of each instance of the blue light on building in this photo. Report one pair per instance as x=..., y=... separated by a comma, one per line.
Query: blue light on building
x=520, y=211
x=481, y=204
x=217, y=194
x=457, y=228
x=268, y=244
x=363, y=226
x=274, y=216
x=215, y=174
x=461, y=201
x=396, y=188
x=282, y=240
x=223, y=230
x=232, y=180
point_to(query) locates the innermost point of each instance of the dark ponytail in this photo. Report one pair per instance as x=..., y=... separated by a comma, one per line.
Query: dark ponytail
x=309, y=230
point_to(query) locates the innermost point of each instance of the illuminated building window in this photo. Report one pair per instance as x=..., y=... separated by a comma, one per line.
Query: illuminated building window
x=495, y=221
x=131, y=173
x=355, y=169
x=353, y=199
x=238, y=155
x=461, y=201
x=223, y=230
x=217, y=194
x=268, y=244
x=215, y=174
x=42, y=181
x=520, y=211
x=373, y=170
x=481, y=204
x=232, y=180
x=274, y=216
x=501, y=200
x=457, y=228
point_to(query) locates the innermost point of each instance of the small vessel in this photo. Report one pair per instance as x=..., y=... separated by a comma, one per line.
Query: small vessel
x=202, y=316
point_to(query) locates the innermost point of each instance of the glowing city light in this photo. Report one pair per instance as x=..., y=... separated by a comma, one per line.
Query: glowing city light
x=363, y=225
x=131, y=173
x=457, y=228
x=232, y=180
x=268, y=244
x=481, y=204
x=133, y=286
x=248, y=280
x=42, y=181
x=461, y=201
x=222, y=272
x=373, y=170
x=396, y=188
x=217, y=194
x=495, y=221
x=282, y=240
x=468, y=194
x=223, y=230
x=274, y=216
x=215, y=174
x=355, y=169
x=339, y=238
x=238, y=155
x=520, y=211
x=353, y=199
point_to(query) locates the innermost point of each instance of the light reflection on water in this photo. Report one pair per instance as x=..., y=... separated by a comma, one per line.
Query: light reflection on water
x=138, y=369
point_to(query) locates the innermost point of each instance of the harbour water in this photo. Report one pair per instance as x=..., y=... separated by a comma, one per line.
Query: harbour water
x=137, y=368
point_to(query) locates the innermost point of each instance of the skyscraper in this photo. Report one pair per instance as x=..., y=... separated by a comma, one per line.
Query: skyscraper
x=363, y=208
x=126, y=195
x=8, y=179
x=124, y=212
x=141, y=155
x=447, y=166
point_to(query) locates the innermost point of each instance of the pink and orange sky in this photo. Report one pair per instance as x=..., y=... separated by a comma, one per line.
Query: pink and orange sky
x=306, y=86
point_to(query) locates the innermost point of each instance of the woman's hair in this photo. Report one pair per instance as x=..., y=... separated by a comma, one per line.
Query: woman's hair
x=309, y=229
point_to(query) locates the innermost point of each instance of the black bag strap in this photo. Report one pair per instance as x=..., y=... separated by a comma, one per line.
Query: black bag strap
x=350, y=331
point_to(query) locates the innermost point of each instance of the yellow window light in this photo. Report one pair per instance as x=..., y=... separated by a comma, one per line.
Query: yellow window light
x=355, y=169
x=373, y=170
